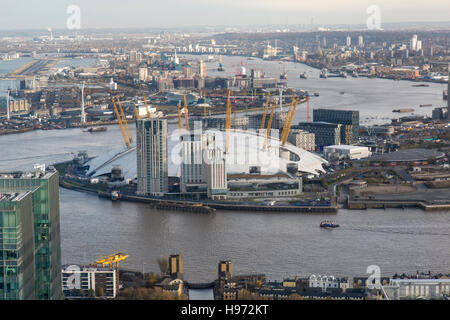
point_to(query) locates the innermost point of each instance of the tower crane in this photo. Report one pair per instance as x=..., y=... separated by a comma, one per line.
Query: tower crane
x=269, y=126
x=119, y=119
x=125, y=121
x=263, y=122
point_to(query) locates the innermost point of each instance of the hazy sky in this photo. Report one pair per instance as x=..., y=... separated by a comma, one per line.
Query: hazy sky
x=39, y=14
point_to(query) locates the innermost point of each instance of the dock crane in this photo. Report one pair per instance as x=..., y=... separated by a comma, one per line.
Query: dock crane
x=112, y=259
x=269, y=126
x=186, y=115
x=180, y=125
x=228, y=122
x=286, y=121
x=125, y=121
x=266, y=108
x=122, y=129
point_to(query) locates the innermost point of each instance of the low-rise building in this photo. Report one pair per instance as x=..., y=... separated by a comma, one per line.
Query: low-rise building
x=77, y=280
x=346, y=151
x=302, y=139
x=263, y=186
x=427, y=289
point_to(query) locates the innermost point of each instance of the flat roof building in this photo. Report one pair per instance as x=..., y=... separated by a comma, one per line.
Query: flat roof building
x=325, y=133
x=347, y=118
x=351, y=152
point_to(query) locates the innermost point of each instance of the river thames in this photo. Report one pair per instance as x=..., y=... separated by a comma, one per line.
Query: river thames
x=276, y=244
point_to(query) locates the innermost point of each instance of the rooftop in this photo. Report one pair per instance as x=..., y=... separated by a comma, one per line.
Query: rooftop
x=407, y=155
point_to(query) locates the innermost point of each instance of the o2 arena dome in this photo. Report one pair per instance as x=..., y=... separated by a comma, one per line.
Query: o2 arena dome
x=246, y=149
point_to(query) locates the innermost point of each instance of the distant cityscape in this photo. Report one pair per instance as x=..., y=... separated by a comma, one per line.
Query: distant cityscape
x=202, y=134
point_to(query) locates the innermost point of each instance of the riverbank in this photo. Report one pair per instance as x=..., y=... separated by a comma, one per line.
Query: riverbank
x=194, y=206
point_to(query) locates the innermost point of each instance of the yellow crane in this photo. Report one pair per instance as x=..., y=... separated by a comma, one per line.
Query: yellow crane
x=228, y=122
x=186, y=115
x=263, y=122
x=269, y=126
x=286, y=121
x=125, y=121
x=136, y=111
x=146, y=107
x=112, y=259
x=122, y=129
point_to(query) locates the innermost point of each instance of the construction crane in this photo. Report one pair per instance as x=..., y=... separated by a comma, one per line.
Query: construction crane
x=269, y=126
x=122, y=129
x=112, y=259
x=228, y=122
x=263, y=122
x=289, y=121
x=125, y=121
x=136, y=111
x=146, y=107
x=180, y=125
x=186, y=115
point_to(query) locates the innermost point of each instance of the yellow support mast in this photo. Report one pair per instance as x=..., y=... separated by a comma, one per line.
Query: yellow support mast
x=269, y=126
x=266, y=108
x=186, y=115
x=286, y=121
x=119, y=119
x=291, y=119
x=146, y=107
x=228, y=122
x=136, y=111
x=180, y=125
x=125, y=121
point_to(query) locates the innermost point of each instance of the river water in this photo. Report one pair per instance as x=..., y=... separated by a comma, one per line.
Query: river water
x=277, y=244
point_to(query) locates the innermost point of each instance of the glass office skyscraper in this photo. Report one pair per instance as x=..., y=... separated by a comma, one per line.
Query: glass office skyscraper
x=30, y=206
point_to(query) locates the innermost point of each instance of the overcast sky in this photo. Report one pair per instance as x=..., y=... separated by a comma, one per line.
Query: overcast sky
x=40, y=14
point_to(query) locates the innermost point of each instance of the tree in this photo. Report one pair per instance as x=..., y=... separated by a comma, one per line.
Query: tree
x=99, y=292
x=163, y=264
x=153, y=279
x=295, y=296
x=91, y=293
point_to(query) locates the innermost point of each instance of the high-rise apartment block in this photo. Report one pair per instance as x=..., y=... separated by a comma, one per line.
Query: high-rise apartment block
x=203, y=166
x=152, y=157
